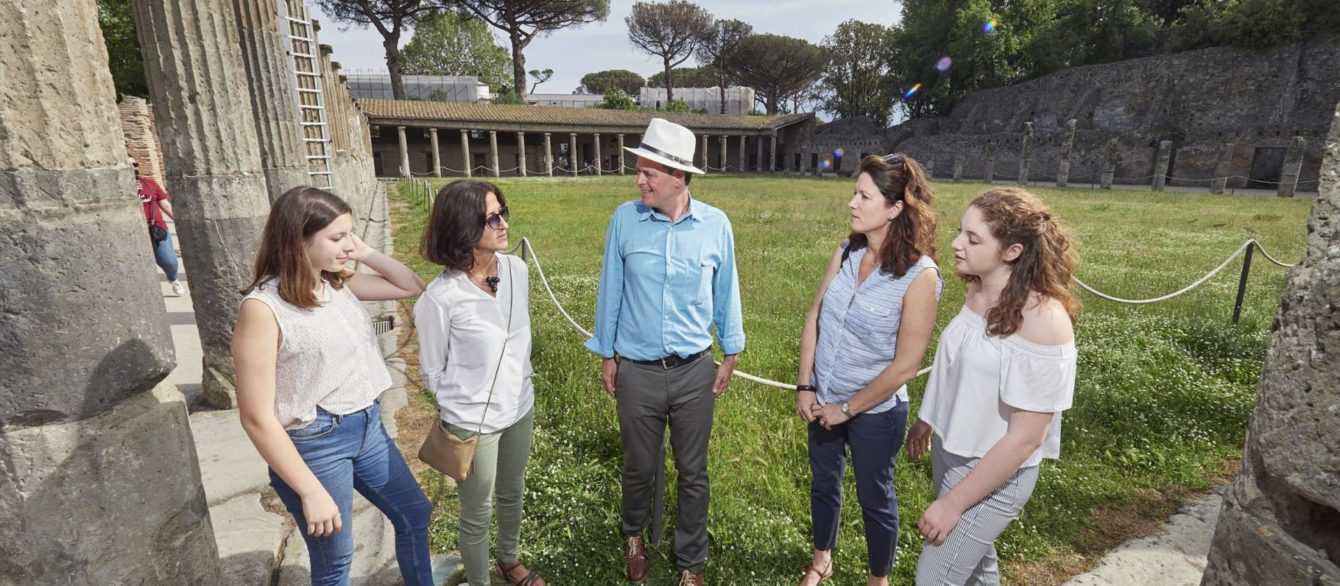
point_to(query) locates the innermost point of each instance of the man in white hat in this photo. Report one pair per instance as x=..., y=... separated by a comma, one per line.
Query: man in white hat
x=667, y=278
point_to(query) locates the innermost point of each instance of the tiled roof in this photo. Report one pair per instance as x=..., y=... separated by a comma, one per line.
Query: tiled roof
x=453, y=114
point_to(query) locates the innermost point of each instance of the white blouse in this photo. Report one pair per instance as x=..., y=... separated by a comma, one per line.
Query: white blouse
x=975, y=376
x=461, y=330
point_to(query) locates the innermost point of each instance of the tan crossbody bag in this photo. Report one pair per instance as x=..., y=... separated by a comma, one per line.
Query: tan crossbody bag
x=443, y=450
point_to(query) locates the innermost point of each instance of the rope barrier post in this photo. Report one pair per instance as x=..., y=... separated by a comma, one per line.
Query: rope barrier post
x=1242, y=281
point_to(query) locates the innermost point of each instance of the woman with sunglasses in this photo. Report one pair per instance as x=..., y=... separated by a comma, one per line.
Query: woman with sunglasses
x=863, y=340
x=474, y=352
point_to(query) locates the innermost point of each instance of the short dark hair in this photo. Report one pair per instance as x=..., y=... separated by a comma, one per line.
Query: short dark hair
x=457, y=223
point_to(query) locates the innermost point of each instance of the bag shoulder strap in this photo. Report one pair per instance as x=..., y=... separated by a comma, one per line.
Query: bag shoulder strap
x=507, y=333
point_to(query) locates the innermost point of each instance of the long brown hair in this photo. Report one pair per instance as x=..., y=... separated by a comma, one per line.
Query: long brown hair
x=1047, y=264
x=295, y=217
x=912, y=233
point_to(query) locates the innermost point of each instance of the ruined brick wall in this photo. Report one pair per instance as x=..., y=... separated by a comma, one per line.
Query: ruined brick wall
x=137, y=124
x=1205, y=102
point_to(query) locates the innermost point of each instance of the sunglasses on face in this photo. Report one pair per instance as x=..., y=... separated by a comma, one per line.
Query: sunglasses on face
x=496, y=219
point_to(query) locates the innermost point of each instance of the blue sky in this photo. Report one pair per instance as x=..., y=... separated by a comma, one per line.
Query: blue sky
x=574, y=52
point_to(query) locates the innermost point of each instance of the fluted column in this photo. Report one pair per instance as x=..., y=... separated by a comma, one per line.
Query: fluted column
x=99, y=482
x=548, y=155
x=572, y=153
x=521, y=151
x=772, y=153
x=599, y=162
x=744, y=163
x=465, y=152
x=493, y=153
x=758, y=148
x=437, y=152
x=621, y=152
x=273, y=95
x=404, y=152
x=725, y=140
x=205, y=124
x=705, y=152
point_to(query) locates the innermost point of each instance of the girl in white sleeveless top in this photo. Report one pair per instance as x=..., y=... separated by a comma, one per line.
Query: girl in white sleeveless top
x=1004, y=371
x=309, y=373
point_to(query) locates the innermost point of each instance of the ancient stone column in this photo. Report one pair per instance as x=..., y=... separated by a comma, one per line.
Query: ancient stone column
x=1279, y=519
x=1293, y=166
x=600, y=163
x=465, y=153
x=958, y=166
x=703, y=148
x=548, y=156
x=1222, y=169
x=404, y=152
x=273, y=95
x=1067, y=148
x=521, y=151
x=989, y=175
x=572, y=153
x=1025, y=152
x=437, y=152
x=758, y=148
x=725, y=140
x=744, y=163
x=772, y=159
x=205, y=124
x=99, y=482
x=621, y=152
x=1161, y=165
x=493, y=153
x=1111, y=155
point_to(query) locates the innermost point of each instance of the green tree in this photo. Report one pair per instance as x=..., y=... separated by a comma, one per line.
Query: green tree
x=521, y=20
x=856, y=80
x=779, y=68
x=117, y=20
x=391, y=18
x=671, y=30
x=617, y=99
x=705, y=76
x=720, y=47
x=456, y=44
x=601, y=82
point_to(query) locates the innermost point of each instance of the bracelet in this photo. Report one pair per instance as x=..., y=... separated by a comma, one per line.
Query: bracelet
x=802, y=388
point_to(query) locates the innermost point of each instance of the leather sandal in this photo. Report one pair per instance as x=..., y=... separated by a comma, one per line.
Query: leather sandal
x=529, y=579
x=824, y=574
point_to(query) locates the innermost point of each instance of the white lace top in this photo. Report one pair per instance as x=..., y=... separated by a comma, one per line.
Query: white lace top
x=328, y=356
x=975, y=375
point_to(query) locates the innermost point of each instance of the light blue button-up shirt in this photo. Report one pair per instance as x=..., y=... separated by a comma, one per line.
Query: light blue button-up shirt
x=664, y=285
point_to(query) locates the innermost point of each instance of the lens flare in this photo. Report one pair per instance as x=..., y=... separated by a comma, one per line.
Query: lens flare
x=825, y=165
x=989, y=26
x=838, y=152
x=944, y=64
x=911, y=91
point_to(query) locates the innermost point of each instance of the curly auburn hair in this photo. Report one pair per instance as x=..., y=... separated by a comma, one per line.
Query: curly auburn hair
x=912, y=234
x=1047, y=264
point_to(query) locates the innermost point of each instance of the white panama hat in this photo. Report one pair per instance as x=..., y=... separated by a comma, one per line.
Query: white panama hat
x=669, y=144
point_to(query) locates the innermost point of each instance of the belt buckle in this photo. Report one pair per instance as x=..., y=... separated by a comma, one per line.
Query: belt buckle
x=665, y=366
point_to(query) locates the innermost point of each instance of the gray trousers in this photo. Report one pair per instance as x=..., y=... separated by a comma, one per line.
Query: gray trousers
x=968, y=555
x=648, y=397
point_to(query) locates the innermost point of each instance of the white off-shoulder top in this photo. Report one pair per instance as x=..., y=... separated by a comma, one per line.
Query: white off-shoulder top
x=976, y=375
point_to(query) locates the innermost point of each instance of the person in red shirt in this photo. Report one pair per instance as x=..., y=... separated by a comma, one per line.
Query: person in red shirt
x=156, y=203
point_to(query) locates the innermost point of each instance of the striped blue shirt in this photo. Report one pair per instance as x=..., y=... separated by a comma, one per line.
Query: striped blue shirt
x=858, y=329
x=664, y=285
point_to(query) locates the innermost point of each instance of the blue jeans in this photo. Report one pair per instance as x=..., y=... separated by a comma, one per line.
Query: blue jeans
x=352, y=452
x=166, y=257
x=874, y=439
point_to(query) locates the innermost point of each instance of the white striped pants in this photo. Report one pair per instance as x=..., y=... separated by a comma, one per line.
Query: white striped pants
x=968, y=555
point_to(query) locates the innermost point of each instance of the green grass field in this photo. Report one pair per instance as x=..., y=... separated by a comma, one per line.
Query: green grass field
x=1163, y=397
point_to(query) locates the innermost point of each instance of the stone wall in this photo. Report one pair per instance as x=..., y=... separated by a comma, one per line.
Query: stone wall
x=137, y=124
x=351, y=161
x=1207, y=102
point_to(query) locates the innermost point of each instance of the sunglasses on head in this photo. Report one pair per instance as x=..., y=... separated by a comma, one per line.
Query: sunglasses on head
x=893, y=158
x=495, y=220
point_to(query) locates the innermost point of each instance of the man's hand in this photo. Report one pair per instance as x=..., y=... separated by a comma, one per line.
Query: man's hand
x=829, y=416
x=918, y=439
x=609, y=369
x=805, y=402
x=724, y=373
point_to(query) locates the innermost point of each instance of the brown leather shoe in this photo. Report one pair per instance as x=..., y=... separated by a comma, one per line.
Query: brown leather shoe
x=635, y=558
x=687, y=578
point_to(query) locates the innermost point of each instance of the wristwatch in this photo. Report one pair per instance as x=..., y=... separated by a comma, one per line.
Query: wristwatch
x=845, y=409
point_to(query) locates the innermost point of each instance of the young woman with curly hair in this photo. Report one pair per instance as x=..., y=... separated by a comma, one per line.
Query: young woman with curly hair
x=863, y=340
x=1004, y=371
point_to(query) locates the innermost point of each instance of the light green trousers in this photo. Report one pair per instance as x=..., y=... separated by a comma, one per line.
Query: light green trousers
x=497, y=472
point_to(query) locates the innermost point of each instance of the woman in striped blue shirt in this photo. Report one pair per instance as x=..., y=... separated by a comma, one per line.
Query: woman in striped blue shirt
x=864, y=338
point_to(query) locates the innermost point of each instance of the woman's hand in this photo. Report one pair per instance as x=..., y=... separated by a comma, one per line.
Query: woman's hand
x=805, y=402
x=830, y=416
x=323, y=516
x=918, y=439
x=361, y=250
x=938, y=521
